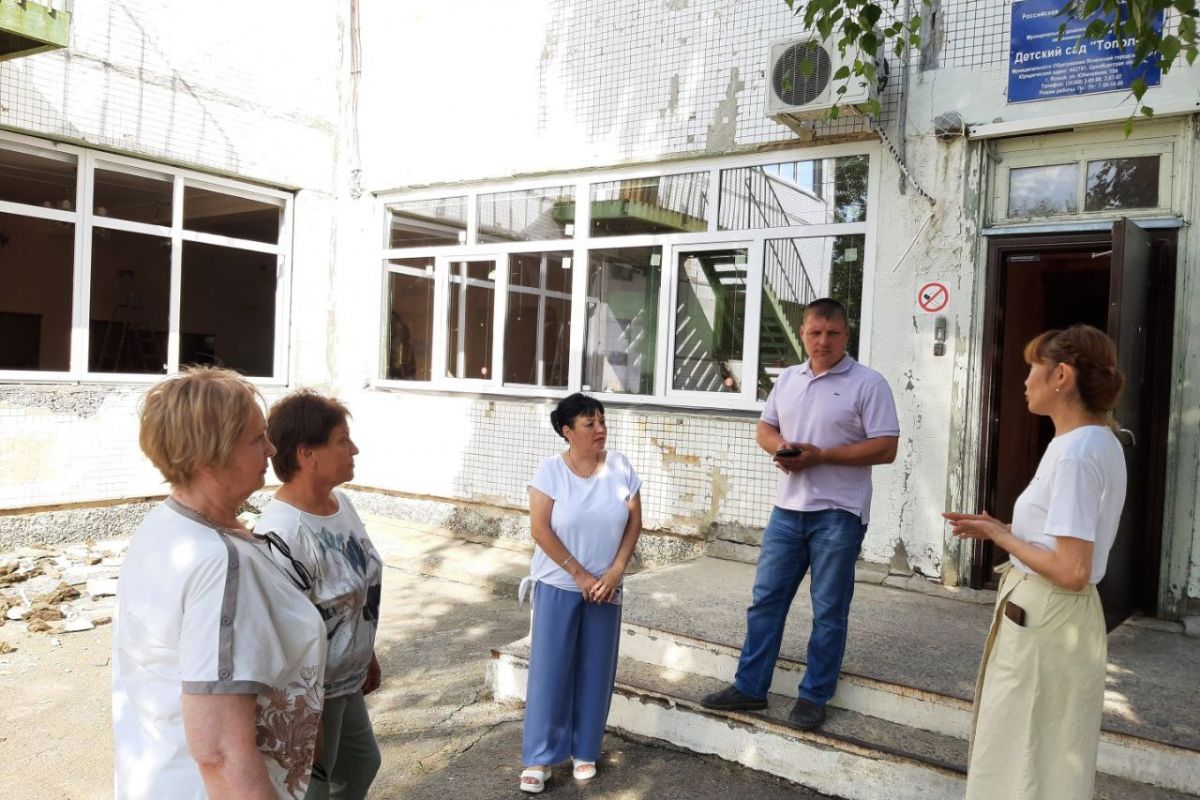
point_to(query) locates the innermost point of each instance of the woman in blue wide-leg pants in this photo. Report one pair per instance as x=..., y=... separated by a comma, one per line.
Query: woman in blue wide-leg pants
x=572, y=668
x=585, y=516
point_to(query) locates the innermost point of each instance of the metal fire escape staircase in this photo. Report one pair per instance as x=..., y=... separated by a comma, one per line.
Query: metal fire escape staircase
x=787, y=288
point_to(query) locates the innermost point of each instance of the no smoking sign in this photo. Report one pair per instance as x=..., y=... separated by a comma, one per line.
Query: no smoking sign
x=933, y=297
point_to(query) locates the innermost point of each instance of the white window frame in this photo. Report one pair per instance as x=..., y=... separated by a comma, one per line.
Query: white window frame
x=582, y=242
x=748, y=390
x=1148, y=139
x=542, y=294
x=86, y=221
x=459, y=283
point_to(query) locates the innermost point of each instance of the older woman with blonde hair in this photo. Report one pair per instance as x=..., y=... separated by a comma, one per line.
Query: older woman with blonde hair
x=217, y=657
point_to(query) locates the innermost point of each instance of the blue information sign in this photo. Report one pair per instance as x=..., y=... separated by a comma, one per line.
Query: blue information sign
x=1042, y=66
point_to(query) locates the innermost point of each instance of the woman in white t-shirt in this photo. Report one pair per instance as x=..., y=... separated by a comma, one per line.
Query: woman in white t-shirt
x=585, y=515
x=217, y=655
x=1040, y=695
x=321, y=531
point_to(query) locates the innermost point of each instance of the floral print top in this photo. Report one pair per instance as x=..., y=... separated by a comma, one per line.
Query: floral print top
x=200, y=611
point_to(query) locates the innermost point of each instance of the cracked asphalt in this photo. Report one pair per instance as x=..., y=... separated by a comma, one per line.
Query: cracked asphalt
x=440, y=732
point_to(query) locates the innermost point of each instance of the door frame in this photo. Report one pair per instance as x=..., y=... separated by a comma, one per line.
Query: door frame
x=999, y=246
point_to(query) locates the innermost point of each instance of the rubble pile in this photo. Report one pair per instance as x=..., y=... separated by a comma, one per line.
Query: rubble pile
x=63, y=590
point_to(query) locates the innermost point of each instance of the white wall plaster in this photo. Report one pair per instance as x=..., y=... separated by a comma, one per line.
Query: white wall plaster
x=576, y=84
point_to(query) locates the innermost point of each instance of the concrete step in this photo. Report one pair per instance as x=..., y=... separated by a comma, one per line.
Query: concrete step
x=1133, y=758
x=912, y=658
x=854, y=756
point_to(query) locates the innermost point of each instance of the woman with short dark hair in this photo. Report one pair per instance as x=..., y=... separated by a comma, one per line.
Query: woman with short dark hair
x=585, y=515
x=319, y=529
x=1040, y=694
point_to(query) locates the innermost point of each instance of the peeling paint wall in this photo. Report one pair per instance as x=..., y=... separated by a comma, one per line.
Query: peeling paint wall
x=203, y=85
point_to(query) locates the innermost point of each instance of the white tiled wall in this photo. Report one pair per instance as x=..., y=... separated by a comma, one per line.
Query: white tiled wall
x=696, y=469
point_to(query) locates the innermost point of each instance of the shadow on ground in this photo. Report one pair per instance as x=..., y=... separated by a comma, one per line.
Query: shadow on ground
x=443, y=736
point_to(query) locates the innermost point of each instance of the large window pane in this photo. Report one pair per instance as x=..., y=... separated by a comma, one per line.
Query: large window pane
x=1122, y=183
x=410, y=320
x=222, y=214
x=37, y=180
x=133, y=197
x=710, y=319
x=666, y=204
x=622, y=315
x=796, y=272
x=422, y=223
x=813, y=192
x=469, y=321
x=234, y=329
x=36, y=273
x=527, y=215
x=131, y=302
x=537, y=331
x=1043, y=191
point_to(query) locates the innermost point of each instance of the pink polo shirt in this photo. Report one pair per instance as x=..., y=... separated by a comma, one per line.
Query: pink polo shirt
x=849, y=403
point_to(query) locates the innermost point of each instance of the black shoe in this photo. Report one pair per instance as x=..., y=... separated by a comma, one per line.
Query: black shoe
x=730, y=699
x=806, y=715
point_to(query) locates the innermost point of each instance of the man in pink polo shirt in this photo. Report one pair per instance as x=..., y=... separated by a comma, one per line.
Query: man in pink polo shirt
x=841, y=418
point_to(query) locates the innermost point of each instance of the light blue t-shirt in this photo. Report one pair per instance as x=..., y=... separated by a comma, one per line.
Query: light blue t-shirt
x=589, y=515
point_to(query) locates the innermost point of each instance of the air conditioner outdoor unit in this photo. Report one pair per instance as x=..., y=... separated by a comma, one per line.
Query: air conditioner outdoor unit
x=795, y=98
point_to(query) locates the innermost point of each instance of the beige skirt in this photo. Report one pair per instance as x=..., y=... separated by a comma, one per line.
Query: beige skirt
x=1040, y=695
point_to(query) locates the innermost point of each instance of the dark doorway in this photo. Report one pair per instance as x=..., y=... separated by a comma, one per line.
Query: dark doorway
x=1041, y=282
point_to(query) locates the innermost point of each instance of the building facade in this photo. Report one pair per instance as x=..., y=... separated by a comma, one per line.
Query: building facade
x=452, y=228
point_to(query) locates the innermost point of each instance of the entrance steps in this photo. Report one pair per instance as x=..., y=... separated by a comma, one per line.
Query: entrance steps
x=897, y=727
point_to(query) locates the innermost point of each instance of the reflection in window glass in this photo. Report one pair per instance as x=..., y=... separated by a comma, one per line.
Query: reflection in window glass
x=796, y=272
x=1122, y=183
x=132, y=197
x=423, y=223
x=1043, y=191
x=37, y=180
x=710, y=318
x=527, y=215
x=661, y=204
x=537, y=332
x=410, y=319
x=813, y=192
x=234, y=330
x=131, y=302
x=206, y=211
x=469, y=322
x=622, y=313
x=37, y=268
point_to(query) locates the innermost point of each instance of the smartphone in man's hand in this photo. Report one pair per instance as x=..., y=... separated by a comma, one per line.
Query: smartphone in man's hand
x=789, y=452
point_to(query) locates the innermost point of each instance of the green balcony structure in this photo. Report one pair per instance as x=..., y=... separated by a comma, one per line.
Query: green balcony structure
x=27, y=28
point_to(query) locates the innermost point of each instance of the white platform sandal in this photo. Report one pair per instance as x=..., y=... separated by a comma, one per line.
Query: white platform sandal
x=583, y=770
x=533, y=780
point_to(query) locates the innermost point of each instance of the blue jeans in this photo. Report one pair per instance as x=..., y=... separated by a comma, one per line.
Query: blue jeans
x=829, y=542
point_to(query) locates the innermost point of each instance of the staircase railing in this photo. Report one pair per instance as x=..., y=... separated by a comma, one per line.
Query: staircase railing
x=785, y=273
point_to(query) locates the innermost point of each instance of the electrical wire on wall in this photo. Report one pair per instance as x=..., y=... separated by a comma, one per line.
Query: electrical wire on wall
x=891, y=148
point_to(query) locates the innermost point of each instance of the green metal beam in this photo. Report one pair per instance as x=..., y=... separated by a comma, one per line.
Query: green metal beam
x=27, y=28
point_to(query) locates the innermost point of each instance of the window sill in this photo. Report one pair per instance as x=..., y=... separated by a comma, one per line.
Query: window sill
x=738, y=408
